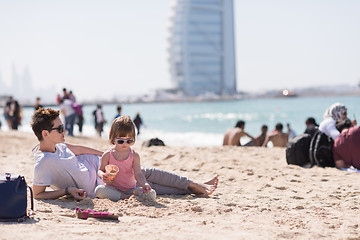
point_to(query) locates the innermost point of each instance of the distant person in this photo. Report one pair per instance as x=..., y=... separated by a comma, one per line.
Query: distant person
x=138, y=122
x=99, y=120
x=118, y=109
x=259, y=140
x=153, y=142
x=71, y=96
x=70, y=115
x=38, y=104
x=58, y=98
x=7, y=112
x=65, y=94
x=277, y=137
x=346, y=149
x=335, y=112
x=233, y=135
x=79, y=116
x=12, y=113
x=311, y=126
x=291, y=131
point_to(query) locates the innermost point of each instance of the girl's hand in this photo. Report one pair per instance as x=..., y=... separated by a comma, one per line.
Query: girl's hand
x=106, y=178
x=146, y=188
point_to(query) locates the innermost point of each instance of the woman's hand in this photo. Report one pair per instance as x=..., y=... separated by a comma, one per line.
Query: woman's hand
x=78, y=194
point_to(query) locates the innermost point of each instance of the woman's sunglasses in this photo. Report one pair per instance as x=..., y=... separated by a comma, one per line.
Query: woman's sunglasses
x=60, y=128
x=122, y=141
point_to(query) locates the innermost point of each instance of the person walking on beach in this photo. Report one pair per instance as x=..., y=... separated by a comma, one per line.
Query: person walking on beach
x=7, y=112
x=71, y=96
x=99, y=120
x=65, y=94
x=277, y=137
x=12, y=113
x=122, y=137
x=138, y=122
x=72, y=169
x=233, y=135
x=66, y=106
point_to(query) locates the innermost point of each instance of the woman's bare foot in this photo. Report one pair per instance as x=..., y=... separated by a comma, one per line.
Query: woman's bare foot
x=206, y=188
x=214, y=181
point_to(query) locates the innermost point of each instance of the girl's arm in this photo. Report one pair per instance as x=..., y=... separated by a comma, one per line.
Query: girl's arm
x=104, y=161
x=78, y=150
x=139, y=176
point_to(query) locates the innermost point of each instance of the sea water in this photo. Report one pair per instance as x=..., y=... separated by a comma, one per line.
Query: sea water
x=204, y=123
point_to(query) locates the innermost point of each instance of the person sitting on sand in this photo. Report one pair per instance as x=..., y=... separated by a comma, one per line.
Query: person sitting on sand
x=259, y=140
x=233, y=135
x=346, y=150
x=277, y=137
x=122, y=137
x=335, y=112
x=72, y=169
x=311, y=126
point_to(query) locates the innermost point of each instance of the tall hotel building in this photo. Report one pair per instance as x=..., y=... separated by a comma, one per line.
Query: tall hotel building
x=201, y=47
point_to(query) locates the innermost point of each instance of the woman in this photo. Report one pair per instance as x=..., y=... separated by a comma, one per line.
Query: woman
x=335, y=112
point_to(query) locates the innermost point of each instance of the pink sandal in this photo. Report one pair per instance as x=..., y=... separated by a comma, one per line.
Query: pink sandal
x=84, y=214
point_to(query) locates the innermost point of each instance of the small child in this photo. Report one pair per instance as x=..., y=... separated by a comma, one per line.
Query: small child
x=122, y=136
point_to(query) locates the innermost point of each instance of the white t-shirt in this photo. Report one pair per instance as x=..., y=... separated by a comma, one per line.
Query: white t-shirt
x=63, y=169
x=328, y=127
x=99, y=116
x=67, y=107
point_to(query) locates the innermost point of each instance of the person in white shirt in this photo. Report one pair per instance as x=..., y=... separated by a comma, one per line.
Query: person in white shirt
x=70, y=115
x=336, y=111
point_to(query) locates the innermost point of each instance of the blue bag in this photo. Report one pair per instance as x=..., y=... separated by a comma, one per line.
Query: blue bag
x=13, y=198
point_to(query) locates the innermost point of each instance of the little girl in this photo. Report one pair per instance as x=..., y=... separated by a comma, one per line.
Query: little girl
x=122, y=136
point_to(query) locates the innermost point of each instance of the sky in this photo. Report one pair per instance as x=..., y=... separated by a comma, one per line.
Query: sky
x=115, y=48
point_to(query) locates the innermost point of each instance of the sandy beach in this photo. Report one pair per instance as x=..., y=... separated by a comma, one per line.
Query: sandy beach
x=258, y=197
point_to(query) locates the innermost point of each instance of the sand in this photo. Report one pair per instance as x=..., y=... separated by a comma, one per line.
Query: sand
x=259, y=197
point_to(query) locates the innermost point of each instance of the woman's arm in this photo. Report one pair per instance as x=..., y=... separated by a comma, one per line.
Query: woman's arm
x=78, y=150
x=41, y=193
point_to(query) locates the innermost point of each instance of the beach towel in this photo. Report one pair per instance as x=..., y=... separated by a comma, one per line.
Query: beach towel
x=350, y=169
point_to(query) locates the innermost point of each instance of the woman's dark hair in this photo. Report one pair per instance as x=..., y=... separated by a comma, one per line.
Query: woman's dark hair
x=43, y=120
